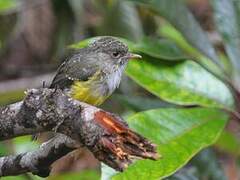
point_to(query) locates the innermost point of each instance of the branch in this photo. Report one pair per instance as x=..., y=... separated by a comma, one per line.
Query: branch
x=39, y=161
x=106, y=135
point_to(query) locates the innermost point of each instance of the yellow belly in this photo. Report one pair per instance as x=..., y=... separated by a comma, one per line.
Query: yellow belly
x=82, y=91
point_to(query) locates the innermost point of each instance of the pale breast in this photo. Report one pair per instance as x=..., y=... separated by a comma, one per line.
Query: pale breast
x=113, y=79
x=108, y=83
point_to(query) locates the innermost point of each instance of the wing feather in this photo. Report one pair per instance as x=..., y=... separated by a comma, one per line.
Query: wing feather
x=78, y=67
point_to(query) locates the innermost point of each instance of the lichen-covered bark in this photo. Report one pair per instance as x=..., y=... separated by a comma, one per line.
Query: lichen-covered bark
x=39, y=161
x=106, y=135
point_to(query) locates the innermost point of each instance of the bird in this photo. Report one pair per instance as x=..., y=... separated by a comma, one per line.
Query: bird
x=91, y=74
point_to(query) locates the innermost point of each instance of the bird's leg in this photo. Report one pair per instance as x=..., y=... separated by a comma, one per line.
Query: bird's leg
x=56, y=88
x=44, y=84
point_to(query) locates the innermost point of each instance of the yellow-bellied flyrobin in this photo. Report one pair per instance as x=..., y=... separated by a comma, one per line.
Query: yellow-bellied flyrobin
x=91, y=74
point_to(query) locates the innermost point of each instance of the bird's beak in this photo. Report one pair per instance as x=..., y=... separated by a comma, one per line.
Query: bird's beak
x=133, y=56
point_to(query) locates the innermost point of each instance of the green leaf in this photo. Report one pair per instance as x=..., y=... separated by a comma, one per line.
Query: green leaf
x=6, y=5
x=179, y=134
x=178, y=15
x=168, y=31
x=183, y=83
x=159, y=48
x=227, y=23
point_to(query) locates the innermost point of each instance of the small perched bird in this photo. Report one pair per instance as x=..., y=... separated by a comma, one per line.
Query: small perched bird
x=93, y=73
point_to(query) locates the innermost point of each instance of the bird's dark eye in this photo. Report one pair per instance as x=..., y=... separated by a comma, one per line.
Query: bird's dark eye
x=116, y=54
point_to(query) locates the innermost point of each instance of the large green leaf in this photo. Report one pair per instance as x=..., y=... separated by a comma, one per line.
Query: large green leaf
x=227, y=23
x=183, y=83
x=179, y=133
x=168, y=31
x=178, y=15
x=159, y=48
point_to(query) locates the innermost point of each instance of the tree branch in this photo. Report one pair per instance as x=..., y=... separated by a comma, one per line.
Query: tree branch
x=39, y=161
x=106, y=135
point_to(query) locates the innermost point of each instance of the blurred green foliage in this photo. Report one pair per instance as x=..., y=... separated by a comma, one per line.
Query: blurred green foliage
x=189, y=86
x=3, y=149
x=227, y=23
x=24, y=144
x=205, y=165
x=11, y=97
x=14, y=178
x=228, y=142
x=6, y=5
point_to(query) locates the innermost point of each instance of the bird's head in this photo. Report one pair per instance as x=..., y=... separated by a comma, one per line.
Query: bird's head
x=112, y=51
